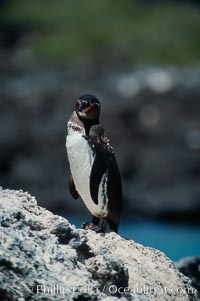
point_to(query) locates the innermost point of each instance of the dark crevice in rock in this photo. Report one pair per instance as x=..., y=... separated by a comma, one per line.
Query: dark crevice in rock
x=84, y=252
x=109, y=273
x=13, y=218
x=79, y=243
x=34, y=225
x=5, y=296
x=64, y=233
x=8, y=265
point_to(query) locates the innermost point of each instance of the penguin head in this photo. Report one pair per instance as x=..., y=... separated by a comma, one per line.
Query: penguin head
x=88, y=107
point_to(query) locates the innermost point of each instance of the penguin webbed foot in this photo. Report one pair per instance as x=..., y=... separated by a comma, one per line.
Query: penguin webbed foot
x=94, y=226
x=91, y=226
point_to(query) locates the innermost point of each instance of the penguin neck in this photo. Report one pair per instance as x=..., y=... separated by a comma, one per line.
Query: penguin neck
x=85, y=123
x=88, y=123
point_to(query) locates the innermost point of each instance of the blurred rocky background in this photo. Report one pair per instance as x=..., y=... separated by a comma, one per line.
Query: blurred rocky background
x=142, y=60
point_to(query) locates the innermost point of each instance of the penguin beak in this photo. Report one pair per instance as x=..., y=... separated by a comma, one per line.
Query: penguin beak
x=88, y=108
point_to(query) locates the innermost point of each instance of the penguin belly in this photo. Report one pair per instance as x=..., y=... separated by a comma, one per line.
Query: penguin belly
x=81, y=159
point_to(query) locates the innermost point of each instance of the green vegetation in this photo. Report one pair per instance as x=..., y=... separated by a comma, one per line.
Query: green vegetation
x=104, y=30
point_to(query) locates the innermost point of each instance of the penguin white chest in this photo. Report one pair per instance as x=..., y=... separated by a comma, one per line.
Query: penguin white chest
x=81, y=159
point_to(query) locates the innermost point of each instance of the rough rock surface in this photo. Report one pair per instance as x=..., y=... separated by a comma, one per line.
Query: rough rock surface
x=43, y=257
x=190, y=267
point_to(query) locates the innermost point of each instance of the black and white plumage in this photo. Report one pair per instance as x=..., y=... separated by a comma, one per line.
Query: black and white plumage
x=94, y=175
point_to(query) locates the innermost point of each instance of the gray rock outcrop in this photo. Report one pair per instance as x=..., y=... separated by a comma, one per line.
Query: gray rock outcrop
x=43, y=257
x=190, y=267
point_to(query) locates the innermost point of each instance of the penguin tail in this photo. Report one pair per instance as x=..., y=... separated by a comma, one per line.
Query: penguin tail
x=113, y=222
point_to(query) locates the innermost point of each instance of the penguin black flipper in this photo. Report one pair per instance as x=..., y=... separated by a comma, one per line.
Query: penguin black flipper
x=105, y=162
x=100, y=165
x=98, y=169
x=72, y=188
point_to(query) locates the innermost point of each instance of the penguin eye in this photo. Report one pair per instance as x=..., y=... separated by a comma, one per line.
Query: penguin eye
x=84, y=103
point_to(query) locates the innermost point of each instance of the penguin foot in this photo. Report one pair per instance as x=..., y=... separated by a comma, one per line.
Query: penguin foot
x=91, y=226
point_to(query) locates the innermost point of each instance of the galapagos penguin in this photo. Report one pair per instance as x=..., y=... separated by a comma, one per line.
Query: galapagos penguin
x=95, y=176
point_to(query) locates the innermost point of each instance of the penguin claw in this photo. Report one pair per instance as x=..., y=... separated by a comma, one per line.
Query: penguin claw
x=91, y=226
x=85, y=225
